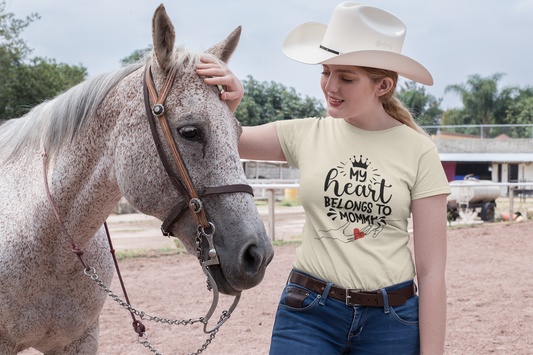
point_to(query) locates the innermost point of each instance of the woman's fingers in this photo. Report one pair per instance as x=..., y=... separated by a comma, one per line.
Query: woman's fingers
x=216, y=73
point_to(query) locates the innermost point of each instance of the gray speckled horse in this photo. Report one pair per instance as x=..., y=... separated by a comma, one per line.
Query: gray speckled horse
x=100, y=148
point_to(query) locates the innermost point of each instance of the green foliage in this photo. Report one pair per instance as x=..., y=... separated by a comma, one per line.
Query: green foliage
x=290, y=202
x=29, y=84
x=424, y=107
x=453, y=116
x=282, y=243
x=267, y=102
x=167, y=250
x=483, y=102
x=26, y=82
x=520, y=111
x=10, y=29
x=136, y=55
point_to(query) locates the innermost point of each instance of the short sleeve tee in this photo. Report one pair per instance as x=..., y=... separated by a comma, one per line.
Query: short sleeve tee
x=356, y=188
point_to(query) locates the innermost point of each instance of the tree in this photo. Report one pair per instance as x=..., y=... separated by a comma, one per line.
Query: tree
x=483, y=103
x=34, y=82
x=267, y=102
x=136, y=55
x=424, y=107
x=26, y=82
x=10, y=29
x=520, y=111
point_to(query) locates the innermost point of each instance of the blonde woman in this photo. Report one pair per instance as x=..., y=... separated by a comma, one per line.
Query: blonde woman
x=364, y=170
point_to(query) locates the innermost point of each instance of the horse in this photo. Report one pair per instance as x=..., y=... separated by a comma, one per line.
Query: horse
x=98, y=147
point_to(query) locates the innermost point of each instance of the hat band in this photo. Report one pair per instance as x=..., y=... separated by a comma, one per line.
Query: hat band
x=329, y=50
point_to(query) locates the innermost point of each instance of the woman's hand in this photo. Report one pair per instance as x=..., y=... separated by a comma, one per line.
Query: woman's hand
x=218, y=74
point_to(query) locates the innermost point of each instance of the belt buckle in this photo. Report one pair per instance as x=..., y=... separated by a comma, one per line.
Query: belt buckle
x=356, y=290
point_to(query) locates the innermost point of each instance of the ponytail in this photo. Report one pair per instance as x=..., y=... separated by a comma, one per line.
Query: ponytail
x=390, y=102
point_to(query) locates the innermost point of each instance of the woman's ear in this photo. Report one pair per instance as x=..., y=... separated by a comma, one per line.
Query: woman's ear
x=385, y=85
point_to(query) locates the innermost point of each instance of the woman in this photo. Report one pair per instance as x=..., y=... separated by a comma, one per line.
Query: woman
x=364, y=170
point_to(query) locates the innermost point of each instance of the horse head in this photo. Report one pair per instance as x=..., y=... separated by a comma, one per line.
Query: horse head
x=206, y=135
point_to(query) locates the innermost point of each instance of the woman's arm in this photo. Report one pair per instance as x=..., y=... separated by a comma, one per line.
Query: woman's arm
x=429, y=234
x=261, y=143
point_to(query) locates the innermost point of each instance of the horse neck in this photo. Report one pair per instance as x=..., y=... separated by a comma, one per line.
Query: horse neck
x=81, y=177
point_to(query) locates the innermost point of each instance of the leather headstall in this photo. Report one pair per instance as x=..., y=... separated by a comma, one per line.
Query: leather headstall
x=184, y=185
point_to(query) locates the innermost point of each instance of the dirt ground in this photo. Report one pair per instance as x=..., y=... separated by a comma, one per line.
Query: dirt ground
x=489, y=279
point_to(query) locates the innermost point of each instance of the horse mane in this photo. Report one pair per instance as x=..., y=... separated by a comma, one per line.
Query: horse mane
x=55, y=121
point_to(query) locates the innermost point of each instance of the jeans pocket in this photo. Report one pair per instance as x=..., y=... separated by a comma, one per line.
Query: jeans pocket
x=407, y=313
x=298, y=298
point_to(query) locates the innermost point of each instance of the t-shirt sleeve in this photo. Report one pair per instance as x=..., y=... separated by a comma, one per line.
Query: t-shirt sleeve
x=291, y=134
x=431, y=179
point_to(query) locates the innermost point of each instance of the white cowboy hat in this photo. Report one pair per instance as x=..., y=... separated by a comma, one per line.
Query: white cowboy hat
x=357, y=34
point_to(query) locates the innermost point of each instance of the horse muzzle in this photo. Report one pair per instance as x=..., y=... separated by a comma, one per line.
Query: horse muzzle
x=243, y=269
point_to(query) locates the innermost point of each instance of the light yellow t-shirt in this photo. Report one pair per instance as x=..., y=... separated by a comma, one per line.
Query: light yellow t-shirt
x=356, y=187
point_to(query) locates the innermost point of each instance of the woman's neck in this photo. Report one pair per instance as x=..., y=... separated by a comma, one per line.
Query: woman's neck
x=375, y=120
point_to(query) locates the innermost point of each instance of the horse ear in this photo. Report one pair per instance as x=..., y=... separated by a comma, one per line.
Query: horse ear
x=164, y=37
x=225, y=49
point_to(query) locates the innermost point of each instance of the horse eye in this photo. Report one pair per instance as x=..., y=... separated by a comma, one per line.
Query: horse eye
x=190, y=132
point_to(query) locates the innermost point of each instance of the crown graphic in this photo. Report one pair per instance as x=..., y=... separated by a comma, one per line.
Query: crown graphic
x=359, y=163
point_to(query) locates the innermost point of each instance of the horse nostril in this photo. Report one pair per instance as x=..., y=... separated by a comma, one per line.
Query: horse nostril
x=252, y=260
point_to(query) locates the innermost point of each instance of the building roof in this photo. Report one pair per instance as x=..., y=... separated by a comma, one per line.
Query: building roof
x=487, y=157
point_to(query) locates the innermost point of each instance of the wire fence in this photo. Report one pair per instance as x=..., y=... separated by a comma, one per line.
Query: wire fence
x=482, y=131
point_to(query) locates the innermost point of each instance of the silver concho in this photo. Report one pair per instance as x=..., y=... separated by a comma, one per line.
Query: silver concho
x=158, y=110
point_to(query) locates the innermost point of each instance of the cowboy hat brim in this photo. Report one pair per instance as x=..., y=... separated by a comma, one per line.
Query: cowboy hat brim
x=302, y=44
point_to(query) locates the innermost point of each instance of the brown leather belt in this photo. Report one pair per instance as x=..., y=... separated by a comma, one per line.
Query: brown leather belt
x=355, y=297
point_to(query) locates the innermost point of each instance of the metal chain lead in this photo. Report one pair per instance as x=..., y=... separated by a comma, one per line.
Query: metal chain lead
x=140, y=314
x=144, y=316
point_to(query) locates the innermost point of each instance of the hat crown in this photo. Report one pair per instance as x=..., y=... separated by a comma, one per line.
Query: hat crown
x=355, y=26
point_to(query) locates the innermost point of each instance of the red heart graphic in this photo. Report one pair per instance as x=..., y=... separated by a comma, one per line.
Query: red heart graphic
x=358, y=234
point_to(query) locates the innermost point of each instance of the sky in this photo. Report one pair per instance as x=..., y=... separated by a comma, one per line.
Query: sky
x=452, y=39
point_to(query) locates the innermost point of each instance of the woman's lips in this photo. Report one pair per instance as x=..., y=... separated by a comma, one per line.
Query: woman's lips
x=335, y=102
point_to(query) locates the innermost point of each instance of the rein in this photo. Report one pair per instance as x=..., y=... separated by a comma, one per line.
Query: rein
x=191, y=200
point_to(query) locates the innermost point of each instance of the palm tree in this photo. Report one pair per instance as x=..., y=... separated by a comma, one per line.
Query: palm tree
x=483, y=102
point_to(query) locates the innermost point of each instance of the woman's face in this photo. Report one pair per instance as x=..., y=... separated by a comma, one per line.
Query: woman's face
x=349, y=91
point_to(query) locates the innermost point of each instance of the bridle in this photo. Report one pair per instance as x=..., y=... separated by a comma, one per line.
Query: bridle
x=191, y=200
x=186, y=189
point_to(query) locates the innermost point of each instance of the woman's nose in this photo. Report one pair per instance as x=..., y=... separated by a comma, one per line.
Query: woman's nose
x=331, y=85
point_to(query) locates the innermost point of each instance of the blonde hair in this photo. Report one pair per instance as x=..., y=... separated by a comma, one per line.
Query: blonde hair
x=390, y=102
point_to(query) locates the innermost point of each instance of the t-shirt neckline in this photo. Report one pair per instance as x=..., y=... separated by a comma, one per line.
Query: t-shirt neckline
x=367, y=132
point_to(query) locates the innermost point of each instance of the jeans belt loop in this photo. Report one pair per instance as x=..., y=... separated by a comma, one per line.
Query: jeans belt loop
x=382, y=295
x=325, y=294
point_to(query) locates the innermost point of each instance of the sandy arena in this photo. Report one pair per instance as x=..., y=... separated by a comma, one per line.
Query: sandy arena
x=489, y=279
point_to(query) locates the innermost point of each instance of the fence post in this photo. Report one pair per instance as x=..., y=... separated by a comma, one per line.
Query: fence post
x=271, y=217
x=511, y=198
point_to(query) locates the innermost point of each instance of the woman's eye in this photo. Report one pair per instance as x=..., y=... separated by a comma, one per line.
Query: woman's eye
x=325, y=73
x=190, y=132
x=347, y=80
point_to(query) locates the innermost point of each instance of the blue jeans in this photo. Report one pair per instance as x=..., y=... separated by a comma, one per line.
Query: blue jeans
x=326, y=326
